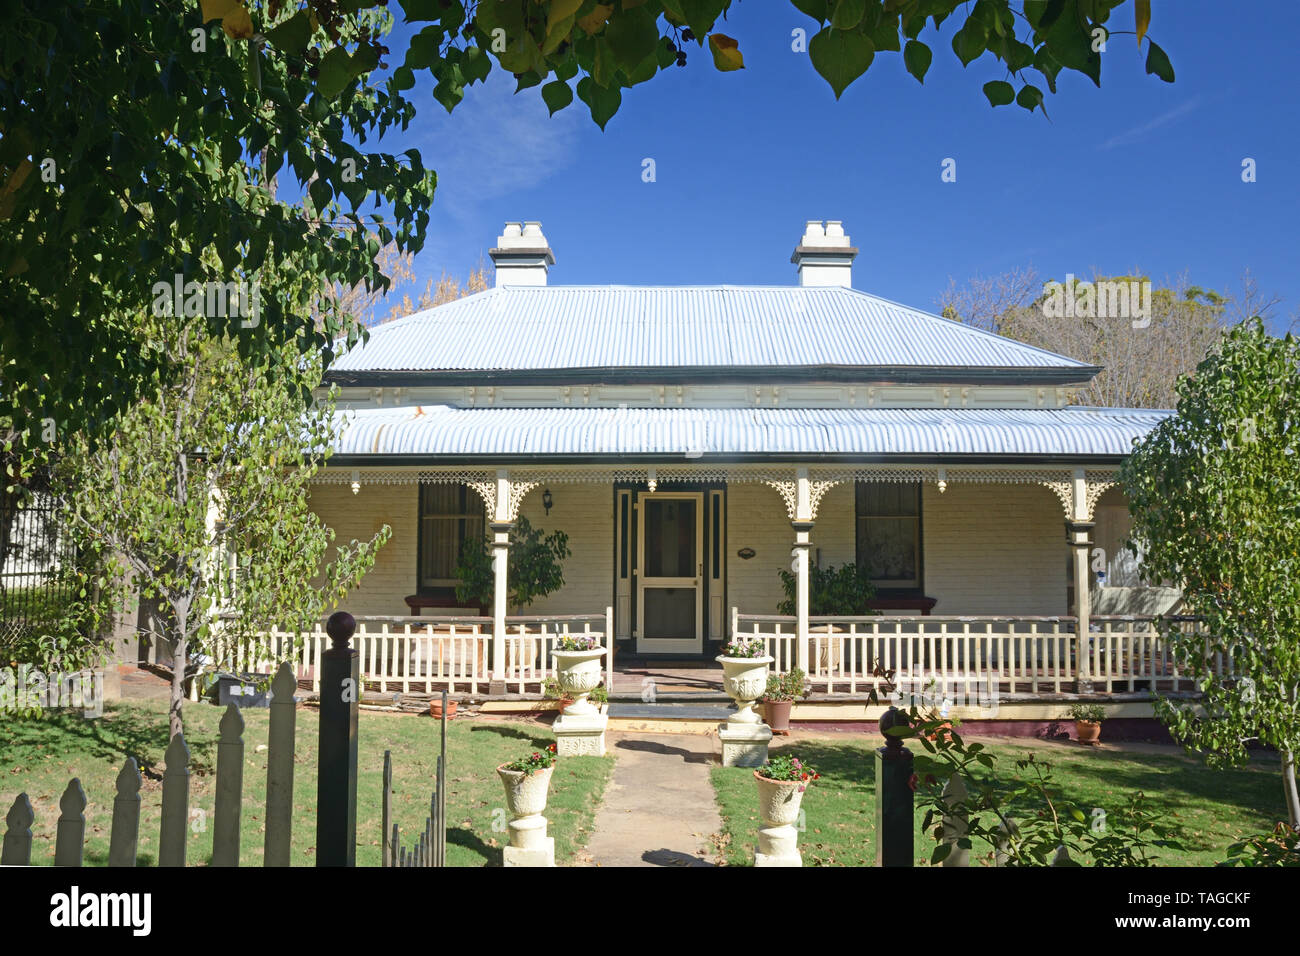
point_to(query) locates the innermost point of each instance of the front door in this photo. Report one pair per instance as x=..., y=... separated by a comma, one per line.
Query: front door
x=670, y=573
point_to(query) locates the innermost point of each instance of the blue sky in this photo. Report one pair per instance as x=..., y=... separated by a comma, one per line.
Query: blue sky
x=1139, y=174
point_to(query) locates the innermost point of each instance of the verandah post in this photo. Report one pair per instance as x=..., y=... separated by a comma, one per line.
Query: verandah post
x=1076, y=532
x=802, y=524
x=501, y=525
x=336, y=787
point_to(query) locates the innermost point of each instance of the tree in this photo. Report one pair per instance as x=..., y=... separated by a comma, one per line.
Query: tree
x=138, y=137
x=200, y=495
x=1142, y=356
x=1215, y=496
x=536, y=566
x=399, y=268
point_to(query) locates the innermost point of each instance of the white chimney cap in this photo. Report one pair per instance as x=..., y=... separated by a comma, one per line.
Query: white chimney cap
x=522, y=254
x=824, y=256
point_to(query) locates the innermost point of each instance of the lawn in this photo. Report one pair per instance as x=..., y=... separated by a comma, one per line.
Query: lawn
x=40, y=756
x=1211, y=808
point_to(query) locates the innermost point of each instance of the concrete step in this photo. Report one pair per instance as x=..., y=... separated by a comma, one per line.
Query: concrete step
x=668, y=717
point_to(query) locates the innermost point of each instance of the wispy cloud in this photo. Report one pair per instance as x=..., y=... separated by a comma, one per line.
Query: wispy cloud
x=496, y=143
x=1138, y=132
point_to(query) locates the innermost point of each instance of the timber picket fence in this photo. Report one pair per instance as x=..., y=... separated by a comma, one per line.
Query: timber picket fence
x=175, y=817
x=430, y=847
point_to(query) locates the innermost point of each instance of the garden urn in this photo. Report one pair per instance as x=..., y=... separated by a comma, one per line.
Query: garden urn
x=525, y=792
x=744, y=679
x=578, y=674
x=778, y=806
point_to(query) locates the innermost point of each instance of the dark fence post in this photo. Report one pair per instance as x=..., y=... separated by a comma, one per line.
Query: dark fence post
x=336, y=788
x=894, y=820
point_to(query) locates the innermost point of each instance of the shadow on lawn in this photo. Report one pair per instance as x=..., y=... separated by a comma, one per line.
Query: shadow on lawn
x=508, y=730
x=459, y=836
x=122, y=732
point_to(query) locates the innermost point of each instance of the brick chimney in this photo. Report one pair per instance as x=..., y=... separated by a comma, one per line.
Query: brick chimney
x=824, y=256
x=522, y=255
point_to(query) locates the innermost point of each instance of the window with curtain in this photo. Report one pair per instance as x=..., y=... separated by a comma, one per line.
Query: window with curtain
x=450, y=515
x=889, y=533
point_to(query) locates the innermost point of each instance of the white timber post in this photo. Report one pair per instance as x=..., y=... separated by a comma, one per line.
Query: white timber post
x=802, y=524
x=1077, y=533
x=501, y=525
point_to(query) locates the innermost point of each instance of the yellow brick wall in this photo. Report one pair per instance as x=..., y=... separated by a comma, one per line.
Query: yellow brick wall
x=994, y=549
x=358, y=517
x=586, y=514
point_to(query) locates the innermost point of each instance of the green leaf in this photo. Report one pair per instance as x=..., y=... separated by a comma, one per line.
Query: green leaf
x=969, y=42
x=1158, y=63
x=917, y=57
x=602, y=101
x=848, y=14
x=817, y=9
x=557, y=95
x=840, y=57
x=1000, y=92
x=293, y=35
x=632, y=36
x=335, y=73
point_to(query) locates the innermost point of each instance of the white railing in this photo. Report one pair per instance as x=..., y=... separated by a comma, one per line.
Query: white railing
x=424, y=654
x=974, y=655
x=1127, y=651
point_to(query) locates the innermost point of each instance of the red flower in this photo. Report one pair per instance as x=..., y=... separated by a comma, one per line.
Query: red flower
x=817, y=776
x=551, y=748
x=911, y=782
x=803, y=776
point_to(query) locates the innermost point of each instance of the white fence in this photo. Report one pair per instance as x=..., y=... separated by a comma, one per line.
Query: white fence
x=975, y=654
x=425, y=654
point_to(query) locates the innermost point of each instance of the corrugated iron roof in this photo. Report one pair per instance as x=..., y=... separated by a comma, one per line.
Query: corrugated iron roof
x=517, y=328
x=444, y=431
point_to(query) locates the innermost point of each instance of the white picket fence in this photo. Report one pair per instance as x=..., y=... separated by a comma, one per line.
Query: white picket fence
x=973, y=654
x=426, y=654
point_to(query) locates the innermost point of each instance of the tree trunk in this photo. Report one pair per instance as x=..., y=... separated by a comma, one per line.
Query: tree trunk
x=1289, y=788
x=180, y=657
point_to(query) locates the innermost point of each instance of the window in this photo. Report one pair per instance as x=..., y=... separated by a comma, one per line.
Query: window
x=450, y=515
x=889, y=533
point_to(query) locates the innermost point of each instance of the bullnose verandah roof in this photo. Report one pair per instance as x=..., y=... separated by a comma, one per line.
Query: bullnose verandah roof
x=447, y=433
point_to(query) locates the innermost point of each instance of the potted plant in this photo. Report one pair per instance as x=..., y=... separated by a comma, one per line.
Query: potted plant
x=578, y=670
x=527, y=782
x=832, y=592
x=435, y=707
x=779, y=696
x=1087, y=722
x=599, y=696
x=744, y=676
x=781, y=784
x=551, y=691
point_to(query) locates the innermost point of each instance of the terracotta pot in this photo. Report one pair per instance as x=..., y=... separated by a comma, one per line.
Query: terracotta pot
x=778, y=800
x=564, y=702
x=1087, y=731
x=777, y=714
x=435, y=708
x=525, y=792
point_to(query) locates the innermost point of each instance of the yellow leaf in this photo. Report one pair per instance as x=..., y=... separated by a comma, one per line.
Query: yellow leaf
x=238, y=24
x=1142, y=15
x=559, y=10
x=726, y=52
x=216, y=9
x=593, y=21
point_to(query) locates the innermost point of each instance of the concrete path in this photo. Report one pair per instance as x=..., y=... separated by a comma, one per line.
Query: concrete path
x=659, y=808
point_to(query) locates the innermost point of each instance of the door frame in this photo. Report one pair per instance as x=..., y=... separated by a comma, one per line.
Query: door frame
x=670, y=645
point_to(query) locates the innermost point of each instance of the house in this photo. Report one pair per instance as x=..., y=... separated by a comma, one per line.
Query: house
x=695, y=442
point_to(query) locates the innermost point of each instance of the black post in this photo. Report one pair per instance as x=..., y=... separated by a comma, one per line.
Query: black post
x=336, y=787
x=894, y=820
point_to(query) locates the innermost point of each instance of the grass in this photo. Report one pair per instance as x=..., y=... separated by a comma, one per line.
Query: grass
x=39, y=756
x=1210, y=808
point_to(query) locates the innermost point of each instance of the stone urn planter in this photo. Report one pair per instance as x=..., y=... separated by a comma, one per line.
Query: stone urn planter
x=744, y=679
x=781, y=784
x=526, y=793
x=578, y=673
